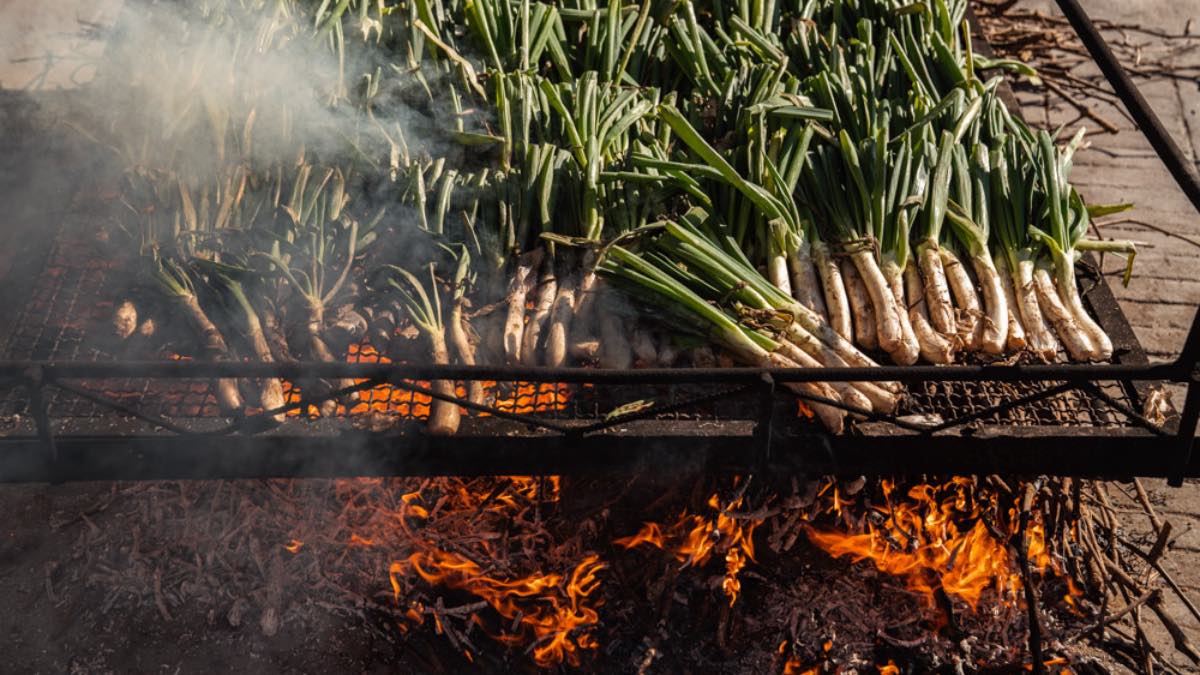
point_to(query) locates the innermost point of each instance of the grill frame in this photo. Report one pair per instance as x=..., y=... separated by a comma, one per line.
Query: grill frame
x=44, y=444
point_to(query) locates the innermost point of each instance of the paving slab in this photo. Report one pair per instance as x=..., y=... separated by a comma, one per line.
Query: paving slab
x=1165, y=292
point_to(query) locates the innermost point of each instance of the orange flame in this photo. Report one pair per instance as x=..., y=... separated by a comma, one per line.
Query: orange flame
x=934, y=538
x=792, y=667
x=693, y=539
x=294, y=546
x=1057, y=661
x=553, y=612
x=550, y=607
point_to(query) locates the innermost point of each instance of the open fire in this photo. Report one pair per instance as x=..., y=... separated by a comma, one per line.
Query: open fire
x=695, y=539
x=475, y=559
x=477, y=563
x=447, y=535
x=938, y=538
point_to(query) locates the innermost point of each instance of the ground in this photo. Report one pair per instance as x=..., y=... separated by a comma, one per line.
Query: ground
x=44, y=525
x=1162, y=300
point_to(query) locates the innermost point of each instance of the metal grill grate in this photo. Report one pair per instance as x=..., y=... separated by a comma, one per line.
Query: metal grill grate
x=73, y=292
x=77, y=285
x=1073, y=409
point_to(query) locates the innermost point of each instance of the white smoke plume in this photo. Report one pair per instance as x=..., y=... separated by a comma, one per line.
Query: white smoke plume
x=188, y=88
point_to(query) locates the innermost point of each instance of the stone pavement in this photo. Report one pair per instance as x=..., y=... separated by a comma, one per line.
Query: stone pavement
x=1163, y=297
x=1165, y=292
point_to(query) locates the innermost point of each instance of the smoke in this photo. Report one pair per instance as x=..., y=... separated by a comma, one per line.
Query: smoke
x=191, y=93
x=189, y=88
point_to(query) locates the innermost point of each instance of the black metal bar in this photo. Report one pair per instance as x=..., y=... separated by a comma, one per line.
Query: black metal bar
x=1181, y=168
x=1189, y=356
x=1187, y=434
x=765, y=428
x=1108, y=453
x=1177, y=163
x=1062, y=372
x=36, y=381
x=1003, y=407
x=1133, y=415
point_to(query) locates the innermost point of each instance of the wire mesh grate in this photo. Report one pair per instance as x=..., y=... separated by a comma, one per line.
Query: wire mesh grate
x=75, y=290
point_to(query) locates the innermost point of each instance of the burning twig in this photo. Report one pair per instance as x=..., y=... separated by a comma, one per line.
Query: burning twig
x=1031, y=595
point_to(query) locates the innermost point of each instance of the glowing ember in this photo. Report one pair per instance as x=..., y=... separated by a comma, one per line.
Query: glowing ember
x=522, y=397
x=693, y=540
x=294, y=546
x=792, y=667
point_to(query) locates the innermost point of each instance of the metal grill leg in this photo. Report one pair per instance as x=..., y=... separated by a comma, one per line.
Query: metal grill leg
x=1189, y=361
x=1185, y=175
x=36, y=382
x=1187, y=431
x=765, y=429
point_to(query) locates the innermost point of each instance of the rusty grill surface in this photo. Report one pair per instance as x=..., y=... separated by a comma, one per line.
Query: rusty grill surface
x=76, y=287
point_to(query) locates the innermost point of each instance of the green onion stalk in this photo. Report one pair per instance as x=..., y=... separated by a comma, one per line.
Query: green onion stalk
x=1015, y=340
x=456, y=322
x=597, y=119
x=543, y=304
x=930, y=260
x=866, y=332
x=1063, y=225
x=1012, y=198
x=541, y=337
x=176, y=283
x=969, y=216
x=424, y=306
x=833, y=285
x=524, y=278
x=554, y=319
x=968, y=309
x=314, y=250
x=661, y=288
x=847, y=195
x=846, y=191
x=907, y=193
x=787, y=244
x=269, y=389
x=905, y=188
